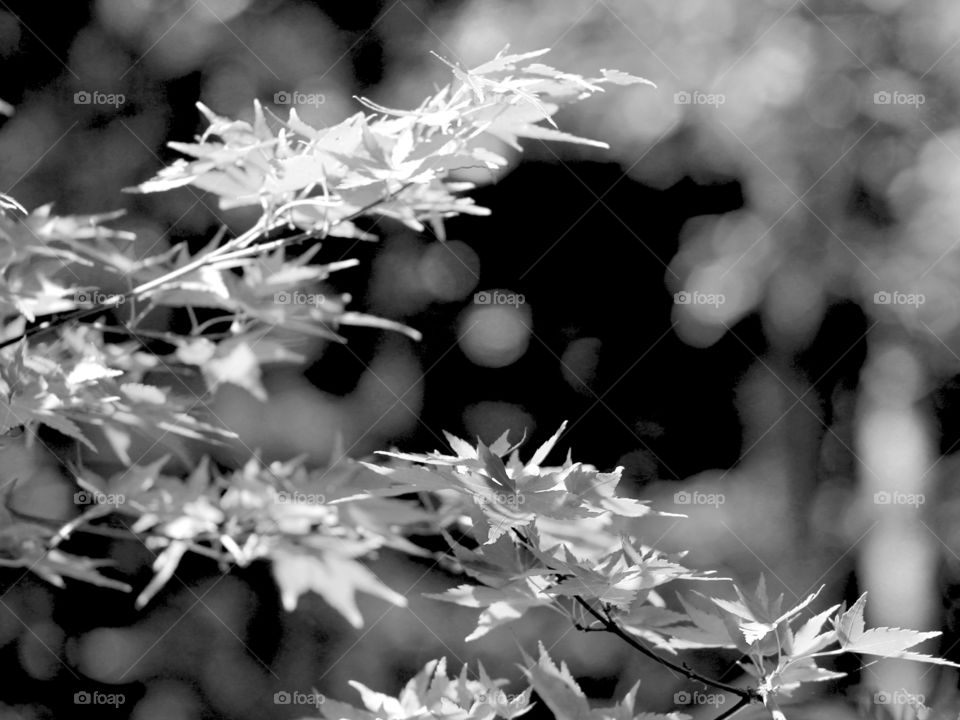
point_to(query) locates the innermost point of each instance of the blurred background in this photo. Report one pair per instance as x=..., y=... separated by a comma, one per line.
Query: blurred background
x=751, y=297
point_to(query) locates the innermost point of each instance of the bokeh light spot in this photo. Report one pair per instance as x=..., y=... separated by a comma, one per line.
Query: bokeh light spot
x=495, y=335
x=579, y=363
x=450, y=270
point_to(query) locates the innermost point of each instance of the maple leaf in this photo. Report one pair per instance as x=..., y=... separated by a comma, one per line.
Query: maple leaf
x=500, y=605
x=336, y=578
x=809, y=639
x=431, y=694
x=560, y=692
x=708, y=627
x=791, y=673
x=883, y=641
x=757, y=617
x=28, y=545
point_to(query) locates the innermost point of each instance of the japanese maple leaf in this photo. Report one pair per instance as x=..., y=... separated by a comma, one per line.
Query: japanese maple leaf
x=560, y=692
x=883, y=641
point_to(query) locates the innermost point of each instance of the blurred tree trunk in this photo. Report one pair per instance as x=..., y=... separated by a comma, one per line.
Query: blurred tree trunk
x=897, y=559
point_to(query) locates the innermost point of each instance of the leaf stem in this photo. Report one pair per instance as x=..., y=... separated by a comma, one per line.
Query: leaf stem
x=746, y=696
x=231, y=249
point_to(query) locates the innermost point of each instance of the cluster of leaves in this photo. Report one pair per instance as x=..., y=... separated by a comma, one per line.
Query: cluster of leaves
x=432, y=694
x=396, y=163
x=561, y=538
x=391, y=164
x=528, y=535
x=312, y=524
x=61, y=372
x=532, y=534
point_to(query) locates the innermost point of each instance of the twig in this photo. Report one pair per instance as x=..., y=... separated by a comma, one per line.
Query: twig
x=237, y=247
x=746, y=696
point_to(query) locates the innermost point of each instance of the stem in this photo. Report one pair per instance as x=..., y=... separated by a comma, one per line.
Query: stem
x=233, y=246
x=746, y=696
x=739, y=706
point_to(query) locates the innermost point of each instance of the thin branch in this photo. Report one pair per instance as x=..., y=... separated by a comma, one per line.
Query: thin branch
x=747, y=695
x=240, y=243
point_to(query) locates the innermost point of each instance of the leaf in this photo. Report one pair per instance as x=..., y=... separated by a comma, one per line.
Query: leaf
x=560, y=692
x=618, y=77
x=432, y=694
x=507, y=62
x=884, y=641
x=850, y=623
x=235, y=363
x=335, y=578
x=164, y=566
x=712, y=630
x=501, y=605
x=140, y=393
x=754, y=617
x=892, y=643
x=808, y=639
x=538, y=457
x=462, y=448
x=556, y=687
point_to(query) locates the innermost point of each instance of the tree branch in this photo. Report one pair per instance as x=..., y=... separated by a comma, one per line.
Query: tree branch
x=237, y=247
x=746, y=696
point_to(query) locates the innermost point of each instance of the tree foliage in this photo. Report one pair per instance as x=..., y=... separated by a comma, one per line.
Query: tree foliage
x=524, y=534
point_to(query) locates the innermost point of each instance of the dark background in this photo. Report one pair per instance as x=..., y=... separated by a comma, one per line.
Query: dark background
x=785, y=398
